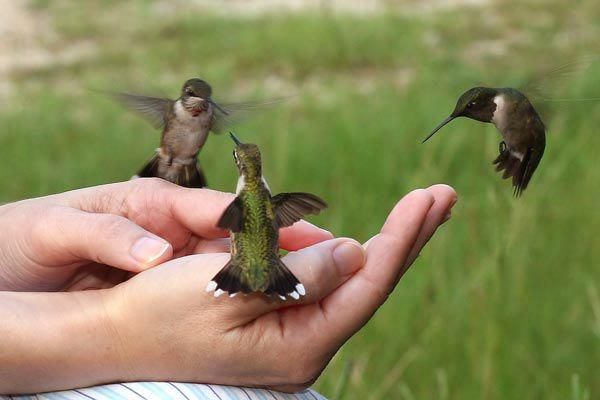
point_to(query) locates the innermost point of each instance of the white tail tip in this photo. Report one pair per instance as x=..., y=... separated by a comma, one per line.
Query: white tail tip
x=212, y=285
x=300, y=289
x=294, y=295
x=219, y=292
x=281, y=297
x=233, y=294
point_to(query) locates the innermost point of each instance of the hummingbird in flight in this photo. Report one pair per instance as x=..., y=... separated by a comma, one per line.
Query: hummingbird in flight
x=522, y=129
x=185, y=123
x=254, y=218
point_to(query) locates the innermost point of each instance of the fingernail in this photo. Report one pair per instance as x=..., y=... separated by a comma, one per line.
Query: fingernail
x=446, y=217
x=348, y=257
x=449, y=212
x=453, y=203
x=148, y=249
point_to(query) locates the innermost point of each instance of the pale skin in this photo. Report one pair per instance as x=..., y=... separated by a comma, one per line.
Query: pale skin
x=150, y=319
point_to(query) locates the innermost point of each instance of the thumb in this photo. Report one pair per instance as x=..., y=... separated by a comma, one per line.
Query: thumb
x=320, y=268
x=67, y=235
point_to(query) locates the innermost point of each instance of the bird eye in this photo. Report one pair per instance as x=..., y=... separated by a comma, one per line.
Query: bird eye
x=189, y=91
x=235, y=156
x=471, y=104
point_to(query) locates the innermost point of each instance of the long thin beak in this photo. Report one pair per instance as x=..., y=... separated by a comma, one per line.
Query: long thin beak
x=214, y=103
x=444, y=122
x=235, y=139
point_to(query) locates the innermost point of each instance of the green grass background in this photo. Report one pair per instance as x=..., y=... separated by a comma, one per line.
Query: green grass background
x=504, y=303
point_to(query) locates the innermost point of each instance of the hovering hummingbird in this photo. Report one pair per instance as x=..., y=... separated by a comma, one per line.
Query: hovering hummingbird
x=522, y=130
x=185, y=123
x=254, y=219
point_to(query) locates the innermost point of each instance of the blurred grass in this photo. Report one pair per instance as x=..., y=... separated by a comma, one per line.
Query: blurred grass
x=504, y=303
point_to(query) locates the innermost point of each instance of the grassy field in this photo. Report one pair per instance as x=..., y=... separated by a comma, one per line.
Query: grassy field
x=505, y=301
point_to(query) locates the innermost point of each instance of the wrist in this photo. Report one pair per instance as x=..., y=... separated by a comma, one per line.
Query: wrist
x=55, y=341
x=145, y=348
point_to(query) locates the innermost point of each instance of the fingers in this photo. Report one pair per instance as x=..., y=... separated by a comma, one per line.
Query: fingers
x=353, y=303
x=173, y=212
x=325, y=266
x=66, y=236
x=219, y=245
x=162, y=207
x=445, y=198
x=302, y=234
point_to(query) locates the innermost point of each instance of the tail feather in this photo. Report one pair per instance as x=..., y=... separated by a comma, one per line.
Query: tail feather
x=501, y=160
x=519, y=167
x=510, y=165
x=150, y=169
x=190, y=175
x=231, y=279
x=283, y=282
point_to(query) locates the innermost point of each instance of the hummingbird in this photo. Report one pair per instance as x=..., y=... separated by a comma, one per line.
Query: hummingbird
x=522, y=129
x=185, y=123
x=254, y=218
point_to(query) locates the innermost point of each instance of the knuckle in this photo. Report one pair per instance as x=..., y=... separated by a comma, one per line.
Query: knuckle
x=376, y=289
x=153, y=184
x=113, y=225
x=146, y=196
x=304, y=371
x=44, y=223
x=47, y=228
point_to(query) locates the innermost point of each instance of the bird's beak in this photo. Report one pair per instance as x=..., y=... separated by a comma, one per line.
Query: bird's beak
x=444, y=122
x=218, y=107
x=235, y=139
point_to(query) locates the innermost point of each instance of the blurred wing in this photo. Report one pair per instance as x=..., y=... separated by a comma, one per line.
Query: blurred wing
x=549, y=89
x=291, y=207
x=549, y=84
x=153, y=109
x=227, y=114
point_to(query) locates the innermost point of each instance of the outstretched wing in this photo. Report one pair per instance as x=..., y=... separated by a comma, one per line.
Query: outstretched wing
x=291, y=207
x=233, y=216
x=153, y=109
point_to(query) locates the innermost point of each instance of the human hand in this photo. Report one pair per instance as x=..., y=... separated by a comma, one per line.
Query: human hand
x=162, y=325
x=100, y=236
x=169, y=328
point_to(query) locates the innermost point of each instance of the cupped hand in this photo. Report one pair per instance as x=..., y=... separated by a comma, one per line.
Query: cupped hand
x=171, y=329
x=100, y=236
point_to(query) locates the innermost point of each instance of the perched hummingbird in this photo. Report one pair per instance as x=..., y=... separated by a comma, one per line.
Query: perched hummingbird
x=254, y=219
x=516, y=119
x=185, y=123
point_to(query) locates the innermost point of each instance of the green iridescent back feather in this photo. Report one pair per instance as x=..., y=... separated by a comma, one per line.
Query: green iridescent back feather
x=256, y=246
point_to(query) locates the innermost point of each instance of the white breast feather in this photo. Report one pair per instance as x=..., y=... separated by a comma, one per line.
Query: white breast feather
x=499, y=117
x=264, y=181
x=185, y=118
x=241, y=183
